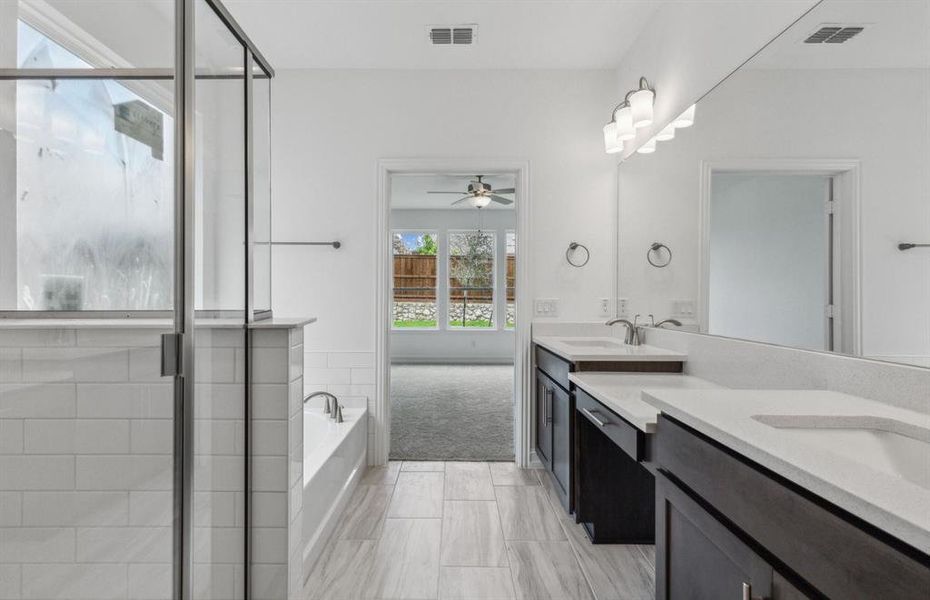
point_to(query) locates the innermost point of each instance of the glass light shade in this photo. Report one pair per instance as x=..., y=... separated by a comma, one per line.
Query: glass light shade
x=641, y=105
x=668, y=133
x=648, y=148
x=685, y=119
x=480, y=201
x=611, y=143
x=624, y=119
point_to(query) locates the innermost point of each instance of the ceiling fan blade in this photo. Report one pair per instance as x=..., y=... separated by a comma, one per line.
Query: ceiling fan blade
x=459, y=193
x=500, y=199
x=460, y=200
x=504, y=191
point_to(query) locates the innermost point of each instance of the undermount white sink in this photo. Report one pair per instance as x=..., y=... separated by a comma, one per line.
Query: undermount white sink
x=594, y=343
x=891, y=446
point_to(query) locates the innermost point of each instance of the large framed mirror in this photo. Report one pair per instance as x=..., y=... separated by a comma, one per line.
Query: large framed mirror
x=796, y=209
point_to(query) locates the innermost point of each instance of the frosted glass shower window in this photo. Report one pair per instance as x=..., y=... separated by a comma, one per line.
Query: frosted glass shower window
x=94, y=195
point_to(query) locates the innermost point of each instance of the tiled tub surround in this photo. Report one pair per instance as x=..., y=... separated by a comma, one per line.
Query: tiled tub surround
x=86, y=443
x=348, y=375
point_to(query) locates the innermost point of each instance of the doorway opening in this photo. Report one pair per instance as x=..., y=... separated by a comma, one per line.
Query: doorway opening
x=780, y=253
x=452, y=316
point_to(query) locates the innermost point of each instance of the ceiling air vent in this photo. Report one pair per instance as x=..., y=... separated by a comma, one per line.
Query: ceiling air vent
x=833, y=34
x=452, y=35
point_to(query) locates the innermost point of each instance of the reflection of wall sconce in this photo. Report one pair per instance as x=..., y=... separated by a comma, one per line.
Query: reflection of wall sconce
x=635, y=112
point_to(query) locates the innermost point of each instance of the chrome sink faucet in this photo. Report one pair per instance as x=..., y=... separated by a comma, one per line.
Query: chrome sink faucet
x=652, y=320
x=632, y=331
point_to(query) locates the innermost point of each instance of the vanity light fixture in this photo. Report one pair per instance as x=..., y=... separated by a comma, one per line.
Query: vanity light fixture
x=633, y=113
x=685, y=119
x=641, y=103
x=623, y=117
x=668, y=133
x=611, y=142
x=648, y=147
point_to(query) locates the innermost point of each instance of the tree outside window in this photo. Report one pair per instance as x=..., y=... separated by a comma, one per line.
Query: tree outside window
x=471, y=279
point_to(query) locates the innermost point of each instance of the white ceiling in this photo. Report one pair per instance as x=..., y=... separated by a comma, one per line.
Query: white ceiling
x=408, y=192
x=392, y=34
x=895, y=36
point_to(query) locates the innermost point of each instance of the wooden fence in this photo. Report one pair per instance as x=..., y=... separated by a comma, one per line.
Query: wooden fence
x=415, y=280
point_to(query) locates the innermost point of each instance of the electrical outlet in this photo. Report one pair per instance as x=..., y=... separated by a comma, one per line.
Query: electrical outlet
x=683, y=308
x=546, y=307
x=604, y=306
x=623, y=307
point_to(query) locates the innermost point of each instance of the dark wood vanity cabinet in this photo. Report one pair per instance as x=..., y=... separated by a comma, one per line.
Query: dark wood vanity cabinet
x=554, y=421
x=614, y=491
x=727, y=527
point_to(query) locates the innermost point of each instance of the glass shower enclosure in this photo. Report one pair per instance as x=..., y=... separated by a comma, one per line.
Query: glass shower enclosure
x=134, y=257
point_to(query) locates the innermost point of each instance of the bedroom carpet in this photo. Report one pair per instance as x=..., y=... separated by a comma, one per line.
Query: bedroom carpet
x=452, y=412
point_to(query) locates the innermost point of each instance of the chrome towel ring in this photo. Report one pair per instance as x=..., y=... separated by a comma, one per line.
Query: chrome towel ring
x=572, y=248
x=655, y=255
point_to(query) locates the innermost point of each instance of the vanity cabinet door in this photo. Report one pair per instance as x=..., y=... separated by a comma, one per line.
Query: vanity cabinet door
x=697, y=558
x=561, y=414
x=543, y=419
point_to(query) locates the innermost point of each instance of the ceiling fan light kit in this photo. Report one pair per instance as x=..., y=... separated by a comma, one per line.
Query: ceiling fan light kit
x=480, y=194
x=635, y=112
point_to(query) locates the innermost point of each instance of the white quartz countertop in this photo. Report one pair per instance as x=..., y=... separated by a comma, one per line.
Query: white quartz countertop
x=623, y=392
x=147, y=323
x=840, y=447
x=580, y=349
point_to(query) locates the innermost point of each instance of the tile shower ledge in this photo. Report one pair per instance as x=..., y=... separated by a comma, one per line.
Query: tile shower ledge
x=891, y=503
x=132, y=323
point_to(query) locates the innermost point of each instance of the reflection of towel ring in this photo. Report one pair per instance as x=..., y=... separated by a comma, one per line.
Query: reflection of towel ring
x=656, y=248
x=571, y=249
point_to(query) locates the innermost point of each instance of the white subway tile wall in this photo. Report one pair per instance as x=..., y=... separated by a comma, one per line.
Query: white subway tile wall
x=348, y=375
x=86, y=443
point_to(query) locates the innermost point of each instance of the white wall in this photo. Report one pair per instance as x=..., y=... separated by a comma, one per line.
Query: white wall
x=330, y=128
x=688, y=47
x=447, y=345
x=799, y=114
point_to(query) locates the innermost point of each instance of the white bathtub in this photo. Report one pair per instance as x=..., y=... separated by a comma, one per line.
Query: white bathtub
x=334, y=460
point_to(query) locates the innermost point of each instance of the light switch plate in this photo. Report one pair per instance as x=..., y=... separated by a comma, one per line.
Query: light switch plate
x=683, y=308
x=604, y=307
x=546, y=307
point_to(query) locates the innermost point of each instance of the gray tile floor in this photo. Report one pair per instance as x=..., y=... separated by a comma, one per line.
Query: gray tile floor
x=470, y=531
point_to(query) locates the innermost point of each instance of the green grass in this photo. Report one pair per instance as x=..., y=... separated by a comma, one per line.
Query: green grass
x=421, y=324
x=478, y=324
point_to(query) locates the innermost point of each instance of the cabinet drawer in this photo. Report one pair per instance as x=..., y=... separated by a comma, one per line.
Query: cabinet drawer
x=556, y=368
x=823, y=544
x=630, y=439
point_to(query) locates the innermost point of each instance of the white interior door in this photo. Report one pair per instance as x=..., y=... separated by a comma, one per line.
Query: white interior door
x=769, y=259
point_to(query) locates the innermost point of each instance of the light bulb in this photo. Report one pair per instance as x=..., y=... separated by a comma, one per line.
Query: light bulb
x=641, y=105
x=668, y=133
x=611, y=143
x=480, y=201
x=648, y=147
x=624, y=119
x=685, y=119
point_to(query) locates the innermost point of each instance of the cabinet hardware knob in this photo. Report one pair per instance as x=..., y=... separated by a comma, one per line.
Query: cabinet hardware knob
x=593, y=417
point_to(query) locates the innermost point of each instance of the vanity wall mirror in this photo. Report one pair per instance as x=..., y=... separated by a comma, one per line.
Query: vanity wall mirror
x=788, y=199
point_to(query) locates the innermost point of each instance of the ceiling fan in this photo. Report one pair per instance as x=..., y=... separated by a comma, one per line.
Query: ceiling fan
x=481, y=194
